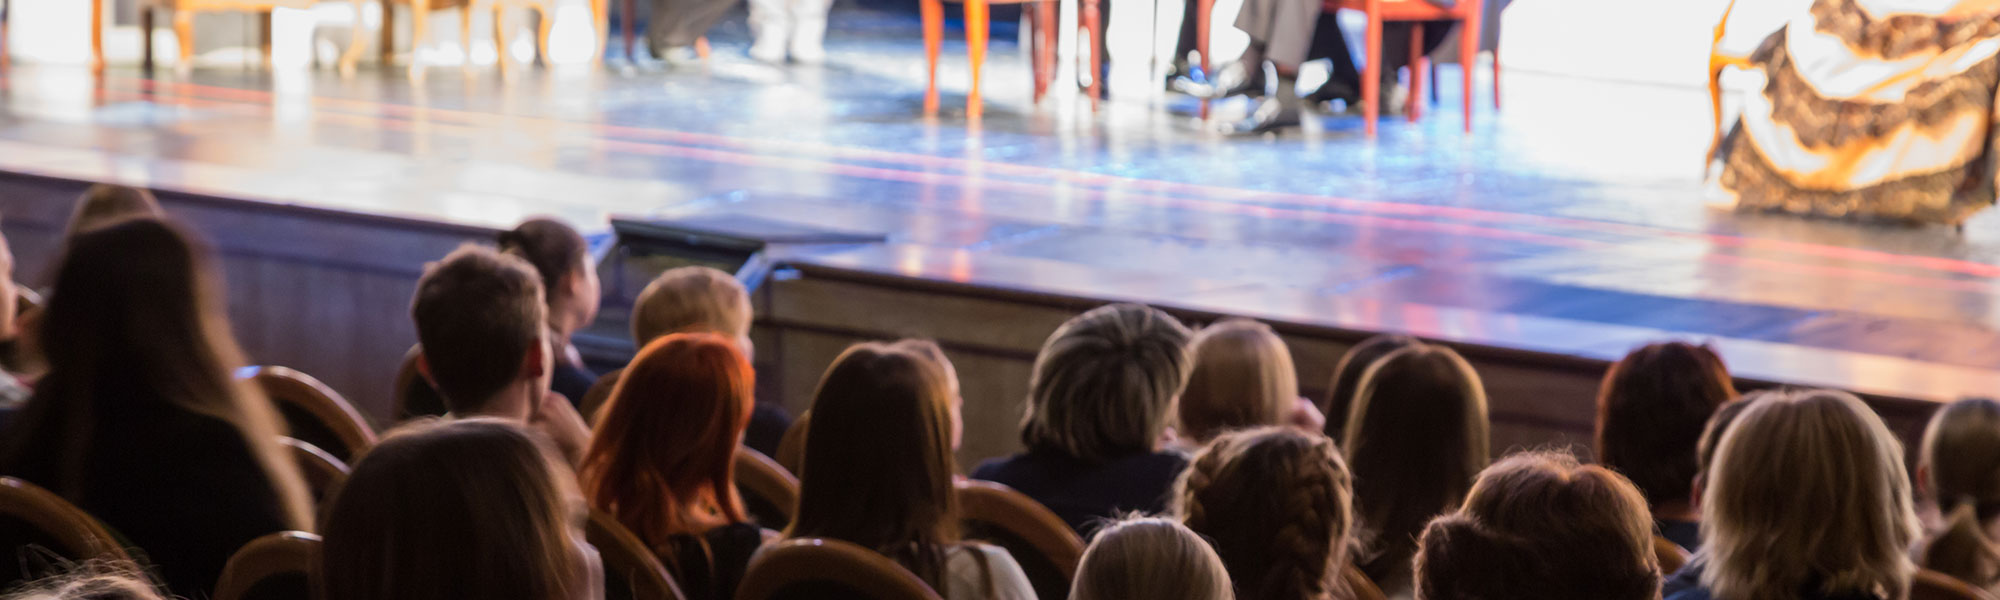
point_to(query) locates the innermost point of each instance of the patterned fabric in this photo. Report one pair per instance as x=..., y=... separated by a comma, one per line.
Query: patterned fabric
x=1871, y=109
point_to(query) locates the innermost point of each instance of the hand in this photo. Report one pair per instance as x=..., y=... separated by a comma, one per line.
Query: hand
x=556, y=418
x=1306, y=416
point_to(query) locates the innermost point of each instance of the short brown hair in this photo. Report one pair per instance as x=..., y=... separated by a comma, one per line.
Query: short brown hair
x=691, y=300
x=478, y=314
x=1651, y=410
x=1540, y=525
x=1104, y=383
x=555, y=250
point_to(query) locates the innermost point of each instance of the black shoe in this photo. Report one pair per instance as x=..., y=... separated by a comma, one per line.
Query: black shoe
x=1271, y=117
x=1331, y=91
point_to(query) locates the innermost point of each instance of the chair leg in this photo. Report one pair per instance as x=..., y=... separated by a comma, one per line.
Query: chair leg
x=465, y=33
x=1496, y=77
x=1371, y=75
x=264, y=35
x=97, y=33
x=545, y=20
x=499, y=38
x=1093, y=21
x=933, y=13
x=388, y=33
x=353, y=53
x=701, y=47
x=420, y=31
x=146, y=15
x=976, y=30
x=1202, y=18
x=5, y=8
x=625, y=23
x=1045, y=47
x=184, y=33
x=1413, y=106
x=1468, y=57
x=600, y=14
x=1433, y=70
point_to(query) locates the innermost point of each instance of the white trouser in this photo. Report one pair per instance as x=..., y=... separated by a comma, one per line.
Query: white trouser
x=794, y=26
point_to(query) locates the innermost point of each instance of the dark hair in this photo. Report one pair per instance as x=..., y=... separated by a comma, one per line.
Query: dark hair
x=1347, y=377
x=136, y=317
x=878, y=466
x=466, y=508
x=1651, y=410
x=1417, y=440
x=1540, y=525
x=1961, y=462
x=478, y=313
x=1103, y=385
x=553, y=248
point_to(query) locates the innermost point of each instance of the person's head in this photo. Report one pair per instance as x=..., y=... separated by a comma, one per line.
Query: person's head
x=929, y=349
x=1276, y=503
x=1808, y=488
x=9, y=303
x=468, y=508
x=878, y=464
x=137, y=316
x=562, y=259
x=1105, y=383
x=105, y=204
x=480, y=320
x=662, y=458
x=693, y=299
x=1960, y=468
x=92, y=580
x=1150, y=559
x=1651, y=410
x=1540, y=525
x=1416, y=438
x=1242, y=378
x=1711, y=436
x=1347, y=377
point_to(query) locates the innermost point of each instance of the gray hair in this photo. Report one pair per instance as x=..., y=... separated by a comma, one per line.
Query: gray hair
x=1105, y=383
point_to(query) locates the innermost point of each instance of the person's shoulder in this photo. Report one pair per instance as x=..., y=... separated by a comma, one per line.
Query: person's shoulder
x=998, y=468
x=1166, y=462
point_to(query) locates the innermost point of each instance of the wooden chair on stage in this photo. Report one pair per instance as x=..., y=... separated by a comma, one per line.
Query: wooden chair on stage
x=631, y=572
x=420, y=11
x=819, y=568
x=1046, y=547
x=1044, y=47
x=282, y=565
x=1468, y=14
x=315, y=413
x=183, y=17
x=1932, y=585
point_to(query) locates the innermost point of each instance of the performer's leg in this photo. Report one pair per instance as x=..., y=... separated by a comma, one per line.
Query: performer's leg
x=809, y=30
x=770, y=28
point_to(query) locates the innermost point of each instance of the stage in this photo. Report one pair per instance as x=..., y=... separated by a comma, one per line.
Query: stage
x=1571, y=222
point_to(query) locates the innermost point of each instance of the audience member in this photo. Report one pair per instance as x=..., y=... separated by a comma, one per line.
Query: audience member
x=1347, y=377
x=106, y=204
x=95, y=580
x=1102, y=392
x=13, y=391
x=1541, y=526
x=480, y=321
x=930, y=350
x=139, y=420
x=698, y=300
x=467, y=508
x=879, y=473
x=569, y=285
x=662, y=460
x=1416, y=439
x=1242, y=378
x=1807, y=498
x=1960, y=469
x=1651, y=411
x=1276, y=504
x=1150, y=559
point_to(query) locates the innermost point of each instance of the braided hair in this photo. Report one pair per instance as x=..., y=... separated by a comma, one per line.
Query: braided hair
x=1276, y=504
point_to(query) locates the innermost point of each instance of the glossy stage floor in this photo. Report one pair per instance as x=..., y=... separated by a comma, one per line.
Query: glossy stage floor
x=1573, y=220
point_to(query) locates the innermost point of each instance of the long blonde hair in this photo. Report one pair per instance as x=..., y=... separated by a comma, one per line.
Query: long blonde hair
x=1961, y=467
x=1242, y=377
x=1153, y=558
x=1278, y=504
x=1794, y=463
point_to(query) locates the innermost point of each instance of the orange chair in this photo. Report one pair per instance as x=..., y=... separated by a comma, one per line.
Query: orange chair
x=630, y=569
x=770, y=493
x=317, y=414
x=1468, y=13
x=813, y=567
x=1044, y=52
x=1671, y=556
x=280, y=565
x=1932, y=585
x=420, y=11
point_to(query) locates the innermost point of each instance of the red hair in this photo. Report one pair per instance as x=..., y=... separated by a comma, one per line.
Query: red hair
x=661, y=460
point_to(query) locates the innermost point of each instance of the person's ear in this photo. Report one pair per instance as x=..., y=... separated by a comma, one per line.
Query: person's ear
x=1923, y=480
x=538, y=361
x=1700, y=488
x=424, y=369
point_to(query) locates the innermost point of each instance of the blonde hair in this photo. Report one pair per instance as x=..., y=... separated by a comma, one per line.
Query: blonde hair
x=1277, y=503
x=1104, y=384
x=1242, y=377
x=691, y=300
x=108, y=204
x=1961, y=466
x=91, y=580
x=1417, y=437
x=1151, y=558
x=1793, y=463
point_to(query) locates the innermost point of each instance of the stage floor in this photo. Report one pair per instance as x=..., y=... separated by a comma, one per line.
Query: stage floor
x=1572, y=221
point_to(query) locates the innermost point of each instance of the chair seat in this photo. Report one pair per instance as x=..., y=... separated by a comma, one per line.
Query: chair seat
x=1402, y=10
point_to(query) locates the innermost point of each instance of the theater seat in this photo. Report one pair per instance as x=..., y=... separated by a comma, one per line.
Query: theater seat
x=769, y=492
x=42, y=531
x=1046, y=547
x=824, y=569
x=279, y=566
x=1932, y=585
x=631, y=572
x=321, y=470
x=315, y=413
x=792, y=449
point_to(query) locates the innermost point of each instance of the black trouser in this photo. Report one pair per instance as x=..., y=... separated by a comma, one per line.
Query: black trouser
x=1330, y=42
